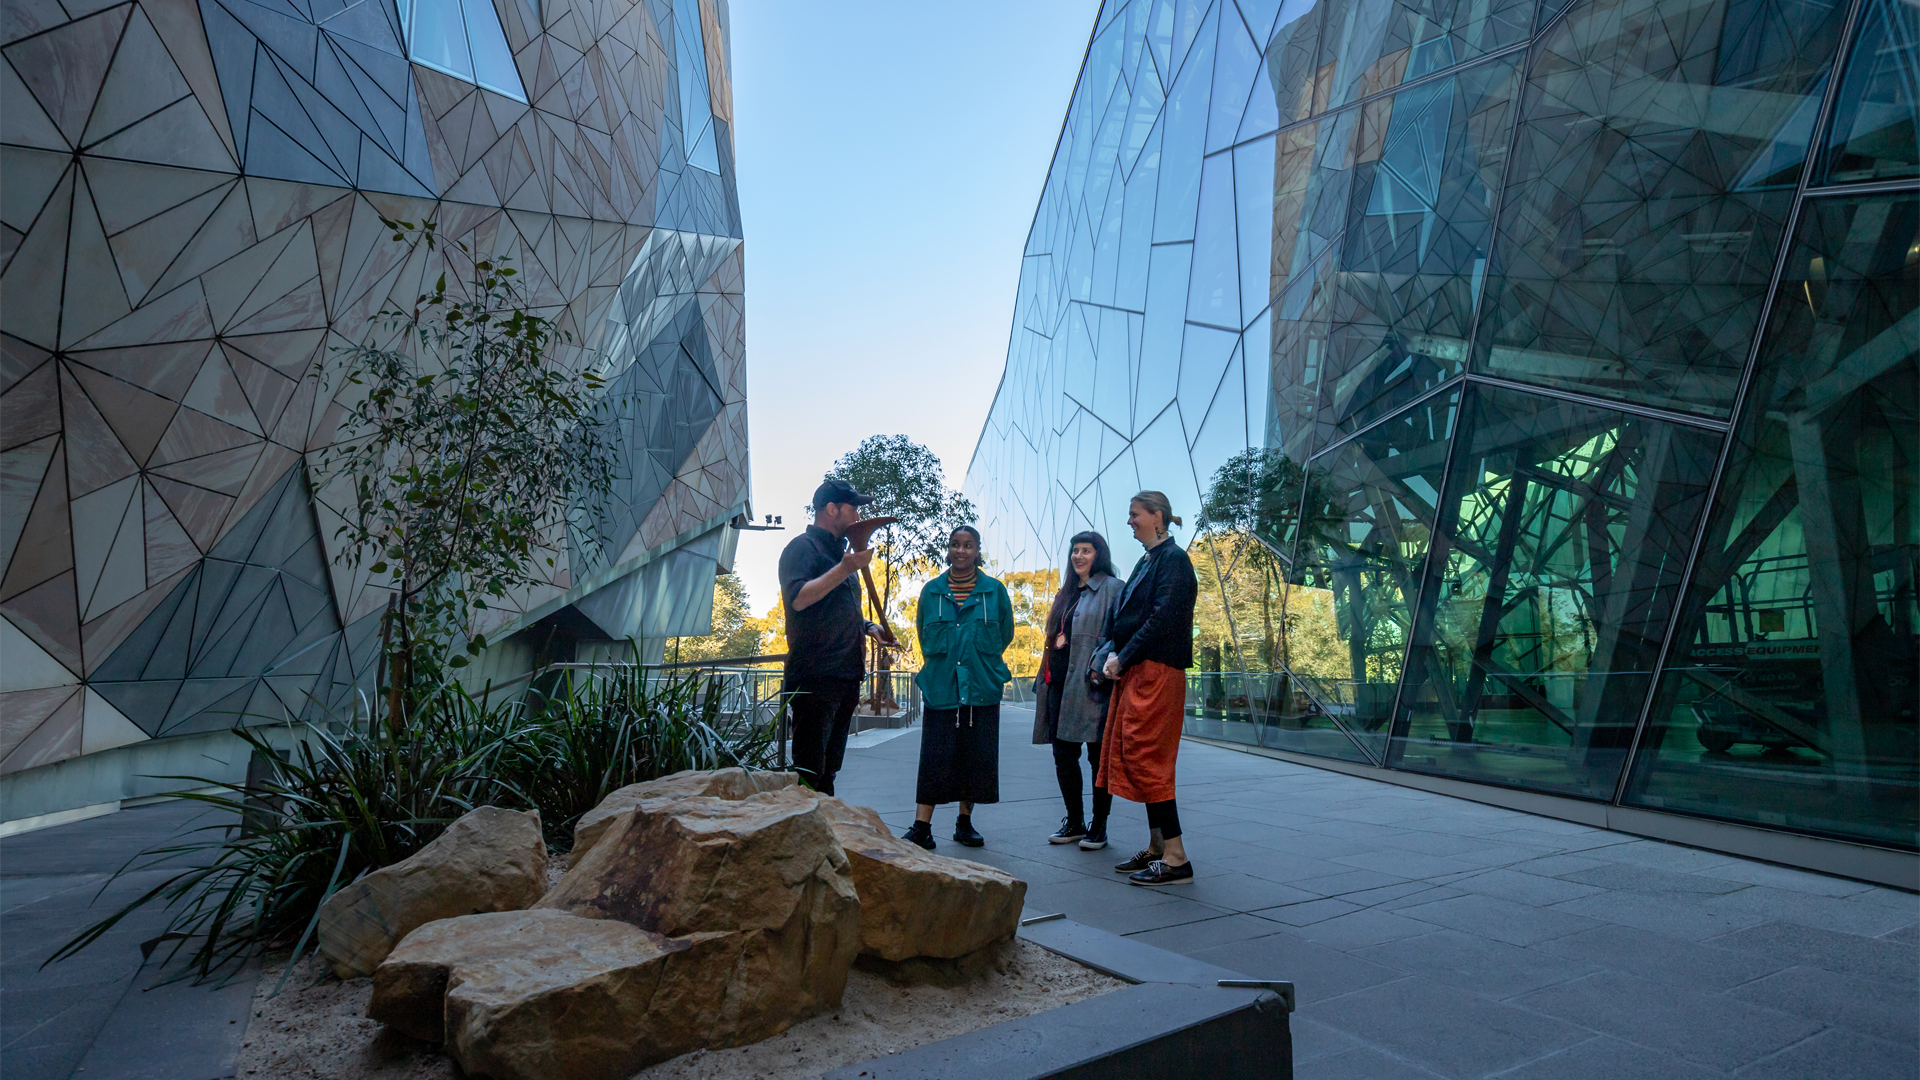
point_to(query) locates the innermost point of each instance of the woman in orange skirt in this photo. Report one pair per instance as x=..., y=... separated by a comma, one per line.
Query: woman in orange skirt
x=1150, y=647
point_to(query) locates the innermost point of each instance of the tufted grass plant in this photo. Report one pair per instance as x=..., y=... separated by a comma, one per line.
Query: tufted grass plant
x=602, y=728
x=340, y=806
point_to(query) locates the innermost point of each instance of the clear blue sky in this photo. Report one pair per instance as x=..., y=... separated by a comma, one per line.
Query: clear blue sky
x=890, y=156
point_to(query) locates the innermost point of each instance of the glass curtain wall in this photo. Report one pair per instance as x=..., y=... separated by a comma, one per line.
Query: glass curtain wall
x=1541, y=378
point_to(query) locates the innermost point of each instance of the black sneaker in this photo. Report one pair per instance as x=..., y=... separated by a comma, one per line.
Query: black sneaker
x=1162, y=873
x=1140, y=861
x=964, y=833
x=920, y=833
x=1095, y=839
x=1070, y=830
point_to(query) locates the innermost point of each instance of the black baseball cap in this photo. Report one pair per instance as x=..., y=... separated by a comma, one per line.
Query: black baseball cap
x=838, y=491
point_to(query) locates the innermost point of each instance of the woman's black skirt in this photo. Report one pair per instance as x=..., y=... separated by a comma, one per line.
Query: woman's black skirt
x=960, y=755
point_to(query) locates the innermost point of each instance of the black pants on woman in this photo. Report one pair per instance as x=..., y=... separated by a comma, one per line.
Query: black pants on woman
x=1066, y=767
x=1066, y=761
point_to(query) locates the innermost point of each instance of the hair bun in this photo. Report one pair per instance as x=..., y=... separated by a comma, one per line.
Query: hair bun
x=1174, y=519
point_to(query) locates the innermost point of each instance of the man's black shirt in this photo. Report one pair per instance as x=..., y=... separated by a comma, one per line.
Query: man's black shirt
x=826, y=640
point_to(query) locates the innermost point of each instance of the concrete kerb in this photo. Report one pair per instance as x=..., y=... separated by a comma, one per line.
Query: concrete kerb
x=1181, y=1017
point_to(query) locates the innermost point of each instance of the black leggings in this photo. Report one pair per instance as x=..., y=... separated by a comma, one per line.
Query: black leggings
x=1066, y=767
x=1163, y=816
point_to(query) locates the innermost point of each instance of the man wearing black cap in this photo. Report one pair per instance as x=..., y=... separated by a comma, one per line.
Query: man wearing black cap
x=825, y=650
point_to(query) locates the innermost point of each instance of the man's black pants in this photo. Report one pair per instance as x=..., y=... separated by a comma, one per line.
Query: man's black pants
x=822, y=712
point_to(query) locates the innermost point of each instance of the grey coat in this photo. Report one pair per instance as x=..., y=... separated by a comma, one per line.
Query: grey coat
x=1083, y=714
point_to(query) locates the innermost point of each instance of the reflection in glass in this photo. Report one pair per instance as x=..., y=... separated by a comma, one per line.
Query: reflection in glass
x=1362, y=536
x=696, y=114
x=1293, y=60
x=1554, y=573
x=1874, y=122
x=1248, y=618
x=1295, y=314
x=1426, y=167
x=438, y=37
x=1301, y=317
x=1790, y=697
x=1371, y=46
x=462, y=38
x=492, y=60
x=1659, y=147
x=1311, y=183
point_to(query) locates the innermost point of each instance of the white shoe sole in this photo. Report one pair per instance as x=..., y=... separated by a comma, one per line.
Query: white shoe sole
x=1065, y=839
x=1092, y=845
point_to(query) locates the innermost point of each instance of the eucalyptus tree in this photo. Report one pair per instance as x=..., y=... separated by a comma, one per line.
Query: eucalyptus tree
x=469, y=448
x=906, y=482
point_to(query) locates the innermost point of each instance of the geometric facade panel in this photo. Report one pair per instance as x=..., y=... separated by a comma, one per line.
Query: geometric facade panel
x=1547, y=372
x=191, y=195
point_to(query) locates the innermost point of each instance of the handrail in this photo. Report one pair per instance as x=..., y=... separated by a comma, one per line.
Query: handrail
x=734, y=661
x=722, y=661
x=767, y=658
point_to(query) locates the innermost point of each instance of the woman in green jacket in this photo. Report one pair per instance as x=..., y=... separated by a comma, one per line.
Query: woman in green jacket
x=965, y=622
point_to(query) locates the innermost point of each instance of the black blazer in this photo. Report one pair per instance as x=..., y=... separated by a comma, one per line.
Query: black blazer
x=1154, y=620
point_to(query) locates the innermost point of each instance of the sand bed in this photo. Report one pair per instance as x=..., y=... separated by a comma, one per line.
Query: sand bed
x=316, y=1029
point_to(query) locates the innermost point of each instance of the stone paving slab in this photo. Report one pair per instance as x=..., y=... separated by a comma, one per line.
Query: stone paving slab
x=102, y=1015
x=1429, y=936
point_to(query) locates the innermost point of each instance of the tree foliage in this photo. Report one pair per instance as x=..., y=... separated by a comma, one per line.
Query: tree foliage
x=466, y=450
x=1250, y=513
x=772, y=629
x=907, y=482
x=1031, y=593
x=735, y=631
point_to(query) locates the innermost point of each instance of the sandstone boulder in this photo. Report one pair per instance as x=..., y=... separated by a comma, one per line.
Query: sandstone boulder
x=915, y=903
x=768, y=867
x=489, y=860
x=718, y=783
x=530, y=995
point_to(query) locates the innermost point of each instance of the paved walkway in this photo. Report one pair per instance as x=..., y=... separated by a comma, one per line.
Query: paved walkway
x=1429, y=936
x=99, y=1016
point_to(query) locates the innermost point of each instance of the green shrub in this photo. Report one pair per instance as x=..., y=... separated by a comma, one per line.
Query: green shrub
x=339, y=807
x=607, y=727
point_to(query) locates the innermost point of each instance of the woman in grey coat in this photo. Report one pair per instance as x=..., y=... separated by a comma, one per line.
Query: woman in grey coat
x=1069, y=712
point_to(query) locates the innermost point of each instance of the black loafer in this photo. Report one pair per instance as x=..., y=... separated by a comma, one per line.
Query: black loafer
x=1162, y=873
x=919, y=833
x=965, y=834
x=1140, y=861
x=1070, y=830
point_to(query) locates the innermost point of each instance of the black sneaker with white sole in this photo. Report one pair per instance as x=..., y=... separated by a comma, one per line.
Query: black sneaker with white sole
x=1159, y=872
x=1095, y=839
x=919, y=833
x=1069, y=831
x=1140, y=861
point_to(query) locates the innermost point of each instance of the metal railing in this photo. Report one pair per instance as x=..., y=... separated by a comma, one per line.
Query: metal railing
x=751, y=695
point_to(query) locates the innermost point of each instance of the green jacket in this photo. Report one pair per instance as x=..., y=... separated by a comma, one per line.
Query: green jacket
x=962, y=644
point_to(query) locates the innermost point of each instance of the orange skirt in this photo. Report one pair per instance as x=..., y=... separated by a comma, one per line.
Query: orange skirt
x=1143, y=733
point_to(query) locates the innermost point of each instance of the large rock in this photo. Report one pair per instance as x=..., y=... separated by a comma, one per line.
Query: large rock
x=767, y=866
x=718, y=783
x=531, y=995
x=915, y=903
x=489, y=860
